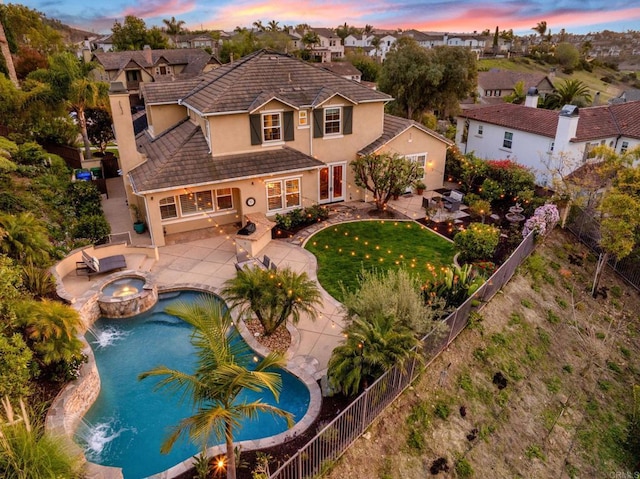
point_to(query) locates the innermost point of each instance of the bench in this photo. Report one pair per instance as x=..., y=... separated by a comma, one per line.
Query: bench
x=453, y=200
x=91, y=265
x=256, y=241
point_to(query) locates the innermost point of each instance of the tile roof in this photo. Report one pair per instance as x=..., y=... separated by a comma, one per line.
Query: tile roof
x=235, y=86
x=194, y=58
x=340, y=68
x=394, y=126
x=594, y=122
x=180, y=158
x=506, y=80
x=167, y=92
x=519, y=117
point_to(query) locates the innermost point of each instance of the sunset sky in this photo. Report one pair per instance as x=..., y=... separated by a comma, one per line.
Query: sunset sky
x=576, y=16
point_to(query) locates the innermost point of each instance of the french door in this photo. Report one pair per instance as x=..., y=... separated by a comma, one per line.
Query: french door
x=332, y=183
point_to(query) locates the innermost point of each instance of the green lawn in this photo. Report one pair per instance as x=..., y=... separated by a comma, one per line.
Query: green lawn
x=343, y=250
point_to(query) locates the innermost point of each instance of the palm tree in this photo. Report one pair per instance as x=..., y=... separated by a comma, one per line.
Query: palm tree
x=25, y=238
x=51, y=328
x=309, y=39
x=273, y=297
x=372, y=346
x=541, y=28
x=375, y=43
x=570, y=92
x=174, y=28
x=6, y=53
x=258, y=25
x=368, y=29
x=272, y=26
x=225, y=368
x=85, y=94
x=518, y=96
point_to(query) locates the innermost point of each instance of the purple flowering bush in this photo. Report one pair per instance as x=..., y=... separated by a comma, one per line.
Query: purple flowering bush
x=543, y=220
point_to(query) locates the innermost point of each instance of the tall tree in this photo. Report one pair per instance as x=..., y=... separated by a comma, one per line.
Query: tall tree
x=6, y=53
x=541, y=28
x=568, y=56
x=410, y=74
x=173, y=28
x=258, y=25
x=273, y=26
x=25, y=238
x=83, y=95
x=225, y=368
x=385, y=175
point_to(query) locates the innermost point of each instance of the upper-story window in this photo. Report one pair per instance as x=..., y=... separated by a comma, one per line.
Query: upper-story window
x=332, y=120
x=163, y=70
x=480, y=130
x=508, y=140
x=624, y=147
x=271, y=127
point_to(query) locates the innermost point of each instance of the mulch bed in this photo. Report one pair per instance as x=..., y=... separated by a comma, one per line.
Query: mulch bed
x=331, y=407
x=278, y=342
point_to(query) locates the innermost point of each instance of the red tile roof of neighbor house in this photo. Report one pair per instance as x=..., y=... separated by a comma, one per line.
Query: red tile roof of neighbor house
x=180, y=157
x=594, y=122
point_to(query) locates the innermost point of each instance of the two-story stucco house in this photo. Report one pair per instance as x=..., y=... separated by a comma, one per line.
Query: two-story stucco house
x=329, y=47
x=263, y=135
x=494, y=85
x=547, y=141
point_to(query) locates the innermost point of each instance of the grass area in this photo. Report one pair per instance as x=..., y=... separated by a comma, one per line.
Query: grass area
x=344, y=250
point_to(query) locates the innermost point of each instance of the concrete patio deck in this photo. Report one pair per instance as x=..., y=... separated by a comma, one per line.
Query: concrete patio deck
x=207, y=257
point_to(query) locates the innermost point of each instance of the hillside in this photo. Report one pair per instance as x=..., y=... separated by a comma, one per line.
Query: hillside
x=593, y=80
x=570, y=364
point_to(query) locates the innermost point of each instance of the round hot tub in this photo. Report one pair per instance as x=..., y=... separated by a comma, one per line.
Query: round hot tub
x=127, y=295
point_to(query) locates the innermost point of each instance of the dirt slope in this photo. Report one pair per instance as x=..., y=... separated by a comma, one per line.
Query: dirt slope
x=569, y=363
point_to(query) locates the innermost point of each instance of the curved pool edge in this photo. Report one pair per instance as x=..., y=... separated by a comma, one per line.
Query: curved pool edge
x=77, y=397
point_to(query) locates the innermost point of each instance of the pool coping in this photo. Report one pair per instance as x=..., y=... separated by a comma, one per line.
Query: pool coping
x=77, y=397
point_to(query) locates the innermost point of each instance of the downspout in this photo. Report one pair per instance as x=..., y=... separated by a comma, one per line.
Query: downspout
x=311, y=126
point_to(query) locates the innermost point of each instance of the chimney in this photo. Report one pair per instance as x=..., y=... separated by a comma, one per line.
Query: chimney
x=86, y=54
x=596, y=99
x=531, y=99
x=567, y=127
x=146, y=51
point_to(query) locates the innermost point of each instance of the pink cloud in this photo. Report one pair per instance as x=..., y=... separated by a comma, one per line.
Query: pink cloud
x=157, y=8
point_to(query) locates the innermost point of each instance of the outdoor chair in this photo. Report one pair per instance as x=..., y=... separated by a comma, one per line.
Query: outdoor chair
x=266, y=261
x=274, y=267
x=91, y=265
x=242, y=256
x=238, y=267
x=452, y=201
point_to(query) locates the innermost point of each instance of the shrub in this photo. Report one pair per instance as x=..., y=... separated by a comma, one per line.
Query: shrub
x=85, y=198
x=30, y=153
x=95, y=228
x=478, y=242
x=442, y=410
x=302, y=217
x=491, y=190
x=543, y=219
x=463, y=469
x=15, y=358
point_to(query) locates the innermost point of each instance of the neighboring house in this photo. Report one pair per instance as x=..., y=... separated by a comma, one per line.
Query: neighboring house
x=104, y=43
x=628, y=95
x=266, y=134
x=476, y=43
x=425, y=40
x=358, y=41
x=197, y=40
x=134, y=68
x=387, y=41
x=330, y=46
x=547, y=140
x=344, y=69
x=494, y=85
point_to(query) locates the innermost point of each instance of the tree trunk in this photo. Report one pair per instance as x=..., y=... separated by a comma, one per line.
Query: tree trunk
x=602, y=262
x=82, y=121
x=6, y=53
x=231, y=453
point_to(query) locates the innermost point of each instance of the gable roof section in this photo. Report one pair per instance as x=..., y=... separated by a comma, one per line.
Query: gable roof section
x=519, y=117
x=234, y=87
x=177, y=56
x=340, y=68
x=167, y=92
x=180, y=158
x=506, y=80
x=594, y=122
x=393, y=127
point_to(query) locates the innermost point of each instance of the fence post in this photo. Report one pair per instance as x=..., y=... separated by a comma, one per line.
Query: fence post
x=299, y=463
x=365, y=407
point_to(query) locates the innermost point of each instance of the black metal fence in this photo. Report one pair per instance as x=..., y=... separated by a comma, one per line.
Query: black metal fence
x=336, y=437
x=585, y=225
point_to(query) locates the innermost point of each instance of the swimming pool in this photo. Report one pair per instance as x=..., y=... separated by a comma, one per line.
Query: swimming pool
x=128, y=422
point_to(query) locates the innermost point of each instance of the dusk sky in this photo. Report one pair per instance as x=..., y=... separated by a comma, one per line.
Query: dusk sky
x=576, y=16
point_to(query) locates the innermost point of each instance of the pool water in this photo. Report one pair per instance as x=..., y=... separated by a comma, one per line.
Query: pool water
x=134, y=285
x=128, y=422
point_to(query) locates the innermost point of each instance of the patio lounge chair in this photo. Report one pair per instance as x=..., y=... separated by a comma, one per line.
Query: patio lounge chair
x=91, y=265
x=452, y=201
